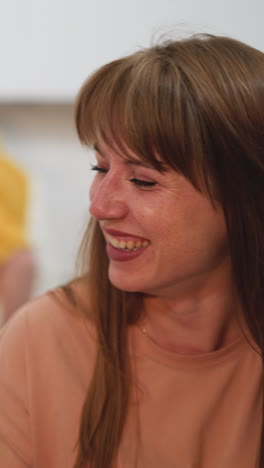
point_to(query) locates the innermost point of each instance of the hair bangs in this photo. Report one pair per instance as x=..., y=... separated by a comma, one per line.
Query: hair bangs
x=144, y=104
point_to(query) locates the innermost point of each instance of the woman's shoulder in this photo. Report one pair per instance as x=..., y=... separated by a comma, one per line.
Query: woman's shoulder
x=75, y=296
x=47, y=356
x=63, y=312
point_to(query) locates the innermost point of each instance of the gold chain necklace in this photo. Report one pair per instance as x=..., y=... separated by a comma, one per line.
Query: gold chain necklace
x=144, y=331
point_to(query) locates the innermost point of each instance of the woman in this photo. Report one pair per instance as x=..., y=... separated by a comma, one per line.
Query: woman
x=153, y=357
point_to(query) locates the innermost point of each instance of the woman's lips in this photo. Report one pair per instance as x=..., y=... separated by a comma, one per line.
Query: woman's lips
x=115, y=233
x=126, y=243
x=122, y=246
x=121, y=255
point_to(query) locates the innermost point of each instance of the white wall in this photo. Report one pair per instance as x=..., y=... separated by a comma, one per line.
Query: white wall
x=47, y=48
x=42, y=140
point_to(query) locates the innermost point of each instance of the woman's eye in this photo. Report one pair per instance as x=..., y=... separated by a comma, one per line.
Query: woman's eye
x=135, y=181
x=143, y=183
x=98, y=169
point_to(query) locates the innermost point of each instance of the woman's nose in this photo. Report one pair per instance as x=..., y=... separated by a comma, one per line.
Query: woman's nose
x=107, y=201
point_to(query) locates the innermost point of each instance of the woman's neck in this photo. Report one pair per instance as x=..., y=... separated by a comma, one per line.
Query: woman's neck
x=201, y=321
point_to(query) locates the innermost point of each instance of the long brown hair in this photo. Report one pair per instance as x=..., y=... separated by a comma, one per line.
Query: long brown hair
x=197, y=106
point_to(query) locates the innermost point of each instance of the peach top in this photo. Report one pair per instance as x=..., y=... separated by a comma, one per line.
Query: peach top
x=198, y=411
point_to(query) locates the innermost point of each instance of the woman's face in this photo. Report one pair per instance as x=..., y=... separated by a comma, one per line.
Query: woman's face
x=161, y=233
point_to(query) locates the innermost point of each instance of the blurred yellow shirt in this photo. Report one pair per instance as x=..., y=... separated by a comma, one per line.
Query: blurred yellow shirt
x=13, y=207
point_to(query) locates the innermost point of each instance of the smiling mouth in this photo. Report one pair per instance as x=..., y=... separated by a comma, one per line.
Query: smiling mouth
x=127, y=246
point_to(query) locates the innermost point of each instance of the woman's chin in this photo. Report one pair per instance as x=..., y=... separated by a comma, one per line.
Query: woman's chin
x=125, y=282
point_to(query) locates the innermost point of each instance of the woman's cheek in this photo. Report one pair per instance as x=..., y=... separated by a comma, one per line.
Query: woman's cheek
x=93, y=189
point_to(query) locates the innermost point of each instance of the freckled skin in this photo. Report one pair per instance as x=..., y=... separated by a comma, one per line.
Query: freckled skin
x=187, y=234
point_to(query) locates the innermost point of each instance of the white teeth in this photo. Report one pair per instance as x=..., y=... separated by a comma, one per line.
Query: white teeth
x=129, y=245
x=114, y=242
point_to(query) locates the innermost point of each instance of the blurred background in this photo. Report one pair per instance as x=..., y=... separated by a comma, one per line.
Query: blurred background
x=47, y=49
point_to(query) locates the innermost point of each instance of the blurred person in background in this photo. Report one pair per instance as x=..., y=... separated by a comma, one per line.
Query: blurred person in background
x=153, y=357
x=17, y=264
